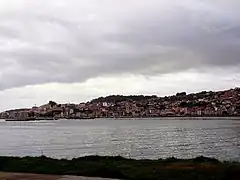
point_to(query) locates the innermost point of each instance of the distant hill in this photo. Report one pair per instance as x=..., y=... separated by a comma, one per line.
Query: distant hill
x=219, y=103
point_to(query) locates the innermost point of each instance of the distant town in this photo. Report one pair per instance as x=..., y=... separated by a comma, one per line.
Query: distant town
x=202, y=104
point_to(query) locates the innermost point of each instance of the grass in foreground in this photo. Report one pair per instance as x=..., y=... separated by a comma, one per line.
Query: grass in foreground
x=200, y=168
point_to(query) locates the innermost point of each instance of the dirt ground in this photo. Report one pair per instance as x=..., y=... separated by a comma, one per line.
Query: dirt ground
x=20, y=176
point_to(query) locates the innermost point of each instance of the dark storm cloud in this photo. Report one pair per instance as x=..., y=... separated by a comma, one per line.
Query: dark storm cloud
x=72, y=41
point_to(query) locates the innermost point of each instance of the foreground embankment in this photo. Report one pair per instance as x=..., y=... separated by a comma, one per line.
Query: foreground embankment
x=200, y=168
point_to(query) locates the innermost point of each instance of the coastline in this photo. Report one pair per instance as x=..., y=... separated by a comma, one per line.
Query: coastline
x=203, y=104
x=135, y=118
x=32, y=176
x=122, y=168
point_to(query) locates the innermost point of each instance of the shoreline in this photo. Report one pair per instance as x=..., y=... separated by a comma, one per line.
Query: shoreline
x=202, y=168
x=135, y=118
x=32, y=176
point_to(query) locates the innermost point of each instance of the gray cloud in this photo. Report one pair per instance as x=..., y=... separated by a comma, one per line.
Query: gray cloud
x=72, y=41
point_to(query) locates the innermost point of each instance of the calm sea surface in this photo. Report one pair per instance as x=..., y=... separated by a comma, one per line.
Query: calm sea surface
x=147, y=138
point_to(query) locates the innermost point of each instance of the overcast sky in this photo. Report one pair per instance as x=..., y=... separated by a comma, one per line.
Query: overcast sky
x=76, y=50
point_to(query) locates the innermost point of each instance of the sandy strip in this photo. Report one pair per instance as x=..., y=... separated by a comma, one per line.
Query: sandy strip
x=23, y=176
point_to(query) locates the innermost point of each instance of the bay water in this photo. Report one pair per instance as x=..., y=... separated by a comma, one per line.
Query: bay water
x=149, y=138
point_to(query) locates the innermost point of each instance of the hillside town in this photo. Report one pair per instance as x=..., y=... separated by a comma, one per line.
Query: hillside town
x=221, y=103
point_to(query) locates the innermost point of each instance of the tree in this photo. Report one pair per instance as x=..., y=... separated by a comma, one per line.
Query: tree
x=52, y=103
x=181, y=94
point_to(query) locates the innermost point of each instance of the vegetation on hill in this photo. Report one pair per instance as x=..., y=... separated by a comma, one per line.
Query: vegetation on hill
x=119, y=98
x=200, y=168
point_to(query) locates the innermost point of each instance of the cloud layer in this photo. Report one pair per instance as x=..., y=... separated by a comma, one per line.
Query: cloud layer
x=161, y=85
x=73, y=41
